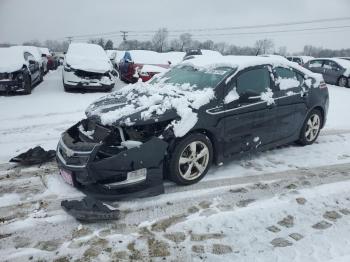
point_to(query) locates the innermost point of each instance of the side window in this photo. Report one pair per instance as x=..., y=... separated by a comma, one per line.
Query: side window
x=26, y=55
x=331, y=65
x=288, y=78
x=255, y=81
x=315, y=64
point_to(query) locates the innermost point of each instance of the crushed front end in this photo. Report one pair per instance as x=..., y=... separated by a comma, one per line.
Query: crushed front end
x=113, y=162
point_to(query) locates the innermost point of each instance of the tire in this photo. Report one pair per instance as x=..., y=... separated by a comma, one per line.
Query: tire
x=311, y=128
x=66, y=88
x=41, y=77
x=342, y=81
x=27, y=84
x=193, y=169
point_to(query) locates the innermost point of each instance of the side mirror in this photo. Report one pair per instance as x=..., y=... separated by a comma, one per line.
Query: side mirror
x=43, y=55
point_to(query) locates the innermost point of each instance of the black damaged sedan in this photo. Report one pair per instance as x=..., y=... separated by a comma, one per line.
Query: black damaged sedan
x=198, y=113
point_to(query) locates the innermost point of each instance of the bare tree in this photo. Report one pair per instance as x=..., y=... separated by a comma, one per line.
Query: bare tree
x=264, y=46
x=175, y=45
x=160, y=39
x=109, y=45
x=282, y=50
x=185, y=41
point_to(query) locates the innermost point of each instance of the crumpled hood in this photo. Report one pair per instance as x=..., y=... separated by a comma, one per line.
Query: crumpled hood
x=117, y=111
x=144, y=103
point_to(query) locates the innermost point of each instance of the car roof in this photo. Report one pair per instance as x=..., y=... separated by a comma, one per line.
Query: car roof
x=343, y=62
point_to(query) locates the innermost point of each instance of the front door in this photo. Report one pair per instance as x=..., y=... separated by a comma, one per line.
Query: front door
x=248, y=123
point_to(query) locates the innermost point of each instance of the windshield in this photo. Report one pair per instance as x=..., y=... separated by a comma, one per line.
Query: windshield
x=195, y=77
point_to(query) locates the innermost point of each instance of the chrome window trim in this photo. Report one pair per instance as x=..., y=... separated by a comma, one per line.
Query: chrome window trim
x=253, y=104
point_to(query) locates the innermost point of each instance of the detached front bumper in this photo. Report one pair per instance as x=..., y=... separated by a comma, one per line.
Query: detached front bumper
x=129, y=173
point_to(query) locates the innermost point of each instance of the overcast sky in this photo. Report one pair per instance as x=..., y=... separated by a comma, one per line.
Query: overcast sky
x=22, y=20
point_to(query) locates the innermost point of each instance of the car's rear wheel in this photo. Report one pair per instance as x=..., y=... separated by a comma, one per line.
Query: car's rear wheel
x=311, y=128
x=343, y=81
x=191, y=159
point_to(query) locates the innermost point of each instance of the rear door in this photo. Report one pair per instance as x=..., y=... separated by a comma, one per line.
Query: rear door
x=290, y=100
x=248, y=122
x=332, y=71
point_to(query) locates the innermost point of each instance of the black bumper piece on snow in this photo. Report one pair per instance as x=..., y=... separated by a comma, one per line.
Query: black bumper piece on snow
x=131, y=173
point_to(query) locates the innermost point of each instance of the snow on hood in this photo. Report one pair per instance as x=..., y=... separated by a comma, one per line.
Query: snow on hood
x=11, y=60
x=145, y=101
x=88, y=57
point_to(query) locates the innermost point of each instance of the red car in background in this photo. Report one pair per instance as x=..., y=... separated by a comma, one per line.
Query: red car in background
x=143, y=64
x=51, y=61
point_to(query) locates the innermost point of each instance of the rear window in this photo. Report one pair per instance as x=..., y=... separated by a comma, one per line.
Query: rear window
x=315, y=63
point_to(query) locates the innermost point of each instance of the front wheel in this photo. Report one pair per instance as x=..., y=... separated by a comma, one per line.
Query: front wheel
x=191, y=159
x=311, y=128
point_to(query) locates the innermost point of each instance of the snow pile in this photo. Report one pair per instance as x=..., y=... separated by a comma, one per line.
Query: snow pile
x=11, y=60
x=152, y=100
x=88, y=57
x=267, y=96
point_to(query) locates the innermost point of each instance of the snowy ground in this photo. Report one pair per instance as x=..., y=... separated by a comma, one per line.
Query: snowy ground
x=287, y=204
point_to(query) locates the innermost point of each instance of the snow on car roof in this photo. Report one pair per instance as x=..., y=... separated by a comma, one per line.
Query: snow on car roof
x=88, y=57
x=151, y=57
x=11, y=59
x=241, y=62
x=35, y=51
x=45, y=51
x=153, y=69
x=111, y=54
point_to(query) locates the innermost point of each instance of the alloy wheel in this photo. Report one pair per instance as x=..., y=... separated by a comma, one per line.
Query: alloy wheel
x=313, y=127
x=193, y=160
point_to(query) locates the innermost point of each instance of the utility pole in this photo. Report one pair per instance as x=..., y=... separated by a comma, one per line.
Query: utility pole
x=70, y=39
x=124, y=35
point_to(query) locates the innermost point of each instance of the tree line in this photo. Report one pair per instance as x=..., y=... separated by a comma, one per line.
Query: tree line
x=160, y=42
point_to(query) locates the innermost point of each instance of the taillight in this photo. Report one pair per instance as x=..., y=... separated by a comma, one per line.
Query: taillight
x=323, y=84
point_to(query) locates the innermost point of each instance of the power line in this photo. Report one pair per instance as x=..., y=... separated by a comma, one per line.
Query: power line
x=106, y=34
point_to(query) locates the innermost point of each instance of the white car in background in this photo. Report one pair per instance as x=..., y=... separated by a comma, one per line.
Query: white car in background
x=87, y=66
x=301, y=60
x=38, y=56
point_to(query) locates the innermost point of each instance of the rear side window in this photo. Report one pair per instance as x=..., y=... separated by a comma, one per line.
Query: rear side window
x=315, y=63
x=288, y=78
x=255, y=81
x=330, y=65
